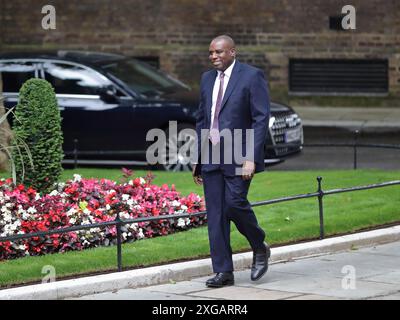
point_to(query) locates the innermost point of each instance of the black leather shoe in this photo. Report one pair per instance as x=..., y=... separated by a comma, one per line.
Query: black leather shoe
x=260, y=262
x=221, y=279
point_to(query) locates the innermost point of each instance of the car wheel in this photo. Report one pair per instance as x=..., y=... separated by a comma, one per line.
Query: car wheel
x=176, y=156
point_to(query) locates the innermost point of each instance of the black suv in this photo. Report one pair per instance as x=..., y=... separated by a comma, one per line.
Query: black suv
x=109, y=102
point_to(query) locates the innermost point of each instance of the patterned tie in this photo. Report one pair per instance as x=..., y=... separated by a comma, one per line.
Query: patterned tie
x=214, y=132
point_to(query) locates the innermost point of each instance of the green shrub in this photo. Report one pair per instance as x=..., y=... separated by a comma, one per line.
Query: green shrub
x=38, y=123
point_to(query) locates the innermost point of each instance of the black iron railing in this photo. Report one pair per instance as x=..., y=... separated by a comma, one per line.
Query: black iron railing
x=320, y=194
x=354, y=144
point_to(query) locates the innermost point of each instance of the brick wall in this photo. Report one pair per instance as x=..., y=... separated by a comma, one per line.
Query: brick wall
x=267, y=32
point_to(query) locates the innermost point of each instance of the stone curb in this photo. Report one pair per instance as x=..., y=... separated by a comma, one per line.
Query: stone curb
x=191, y=269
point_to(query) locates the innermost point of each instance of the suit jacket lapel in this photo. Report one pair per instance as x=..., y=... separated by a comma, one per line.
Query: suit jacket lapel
x=232, y=82
x=209, y=92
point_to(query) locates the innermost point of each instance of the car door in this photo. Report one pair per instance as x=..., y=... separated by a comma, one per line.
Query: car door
x=95, y=127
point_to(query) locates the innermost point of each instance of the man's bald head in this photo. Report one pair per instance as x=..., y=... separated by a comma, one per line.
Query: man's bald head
x=227, y=39
x=222, y=52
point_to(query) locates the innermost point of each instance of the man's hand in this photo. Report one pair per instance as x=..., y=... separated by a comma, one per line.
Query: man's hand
x=248, y=170
x=197, y=179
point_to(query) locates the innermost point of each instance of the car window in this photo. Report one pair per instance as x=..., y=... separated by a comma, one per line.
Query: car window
x=72, y=79
x=14, y=74
x=143, y=78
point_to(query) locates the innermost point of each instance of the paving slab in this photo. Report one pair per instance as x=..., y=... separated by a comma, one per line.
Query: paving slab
x=138, y=294
x=389, y=277
x=313, y=297
x=242, y=293
x=184, y=287
x=332, y=287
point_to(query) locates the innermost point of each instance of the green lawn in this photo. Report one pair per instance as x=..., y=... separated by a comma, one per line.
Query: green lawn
x=284, y=222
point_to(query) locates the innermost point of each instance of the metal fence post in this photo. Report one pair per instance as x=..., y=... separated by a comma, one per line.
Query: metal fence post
x=355, y=149
x=75, y=153
x=321, y=209
x=119, y=247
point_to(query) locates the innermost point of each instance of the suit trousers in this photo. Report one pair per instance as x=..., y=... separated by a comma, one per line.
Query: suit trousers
x=226, y=201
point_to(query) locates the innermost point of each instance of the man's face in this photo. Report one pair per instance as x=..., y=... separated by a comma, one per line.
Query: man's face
x=221, y=54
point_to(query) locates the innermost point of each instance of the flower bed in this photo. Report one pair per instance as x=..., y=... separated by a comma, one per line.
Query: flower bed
x=86, y=201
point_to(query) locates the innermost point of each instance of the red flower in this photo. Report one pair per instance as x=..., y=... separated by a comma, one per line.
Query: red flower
x=136, y=182
x=57, y=211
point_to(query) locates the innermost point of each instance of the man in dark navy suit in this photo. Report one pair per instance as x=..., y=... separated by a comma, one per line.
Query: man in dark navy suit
x=234, y=98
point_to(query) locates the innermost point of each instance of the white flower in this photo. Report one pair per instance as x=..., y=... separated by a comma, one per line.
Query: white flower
x=108, y=207
x=71, y=211
x=142, y=181
x=60, y=185
x=72, y=220
x=124, y=215
x=7, y=218
x=131, y=202
x=181, y=222
x=53, y=193
x=140, y=234
x=25, y=216
x=137, y=207
x=130, y=182
x=86, y=211
x=134, y=226
x=77, y=178
x=4, y=209
x=12, y=227
x=31, y=210
x=125, y=197
x=63, y=195
x=37, y=197
x=183, y=207
x=175, y=203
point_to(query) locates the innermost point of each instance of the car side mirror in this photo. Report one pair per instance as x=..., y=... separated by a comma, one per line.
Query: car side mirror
x=108, y=94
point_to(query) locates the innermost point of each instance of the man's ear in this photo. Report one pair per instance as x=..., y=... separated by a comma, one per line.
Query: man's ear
x=233, y=52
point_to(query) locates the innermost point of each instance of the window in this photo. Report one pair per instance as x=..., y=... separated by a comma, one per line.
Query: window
x=14, y=74
x=143, y=78
x=72, y=79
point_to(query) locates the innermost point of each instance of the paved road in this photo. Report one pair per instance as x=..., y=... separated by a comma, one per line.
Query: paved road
x=366, y=273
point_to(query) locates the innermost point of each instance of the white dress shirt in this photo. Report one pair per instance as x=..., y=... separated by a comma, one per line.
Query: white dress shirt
x=227, y=76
